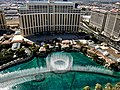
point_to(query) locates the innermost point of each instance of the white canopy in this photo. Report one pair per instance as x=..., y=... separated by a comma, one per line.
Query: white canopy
x=97, y=47
x=105, y=53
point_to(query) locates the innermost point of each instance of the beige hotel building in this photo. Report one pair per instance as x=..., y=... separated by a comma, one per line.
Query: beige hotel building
x=49, y=16
x=107, y=22
x=2, y=20
x=98, y=19
x=112, y=26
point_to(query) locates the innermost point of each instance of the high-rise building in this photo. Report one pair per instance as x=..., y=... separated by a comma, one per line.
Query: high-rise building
x=112, y=26
x=49, y=16
x=107, y=22
x=2, y=20
x=98, y=19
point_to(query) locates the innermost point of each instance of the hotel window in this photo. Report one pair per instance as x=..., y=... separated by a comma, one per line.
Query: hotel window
x=70, y=19
x=63, y=19
x=75, y=21
x=73, y=17
x=41, y=19
x=36, y=19
x=78, y=20
x=24, y=32
x=32, y=30
x=51, y=19
x=55, y=19
x=65, y=15
x=26, y=21
x=31, y=20
x=29, y=30
x=58, y=19
x=23, y=24
x=48, y=19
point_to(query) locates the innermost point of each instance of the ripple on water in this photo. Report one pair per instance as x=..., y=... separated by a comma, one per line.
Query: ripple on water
x=74, y=80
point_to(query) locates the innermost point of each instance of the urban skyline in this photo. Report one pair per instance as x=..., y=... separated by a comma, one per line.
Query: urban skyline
x=60, y=45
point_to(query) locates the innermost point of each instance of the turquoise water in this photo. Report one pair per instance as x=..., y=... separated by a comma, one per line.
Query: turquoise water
x=66, y=81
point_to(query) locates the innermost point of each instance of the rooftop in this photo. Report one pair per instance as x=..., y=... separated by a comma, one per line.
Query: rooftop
x=100, y=10
x=17, y=37
x=44, y=2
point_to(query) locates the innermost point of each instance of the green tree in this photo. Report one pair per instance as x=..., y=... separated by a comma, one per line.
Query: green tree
x=59, y=46
x=84, y=50
x=70, y=46
x=114, y=66
x=46, y=46
x=98, y=87
x=108, y=86
x=33, y=45
x=20, y=52
x=95, y=57
x=117, y=86
x=86, y=88
x=79, y=43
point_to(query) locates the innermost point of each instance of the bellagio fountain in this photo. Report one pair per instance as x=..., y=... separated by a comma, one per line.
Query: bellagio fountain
x=59, y=62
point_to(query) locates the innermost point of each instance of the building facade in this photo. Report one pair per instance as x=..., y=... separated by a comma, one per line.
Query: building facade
x=112, y=26
x=2, y=20
x=49, y=16
x=98, y=19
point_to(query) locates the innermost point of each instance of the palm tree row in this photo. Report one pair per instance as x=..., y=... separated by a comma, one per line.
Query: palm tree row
x=108, y=86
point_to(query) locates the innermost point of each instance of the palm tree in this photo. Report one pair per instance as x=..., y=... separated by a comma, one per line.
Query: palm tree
x=117, y=86
x=95, y=57
x=108, y=86
x=83, y=50
x=59, y=47
x=114, y=66
x=86, y=88
x=70, y=46
x=98, y=87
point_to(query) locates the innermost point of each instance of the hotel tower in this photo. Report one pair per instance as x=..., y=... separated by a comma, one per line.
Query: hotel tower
x=49, y=16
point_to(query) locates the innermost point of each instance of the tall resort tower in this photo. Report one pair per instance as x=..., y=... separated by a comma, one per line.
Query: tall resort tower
x=49, y=16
